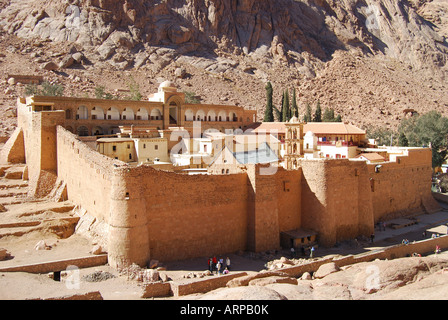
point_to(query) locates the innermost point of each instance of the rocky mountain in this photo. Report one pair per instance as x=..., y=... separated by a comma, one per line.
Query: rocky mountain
x=367, y=59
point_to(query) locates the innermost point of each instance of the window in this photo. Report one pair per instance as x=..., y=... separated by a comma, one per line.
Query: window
x=156, y=147
x=144, y=146
x=129, y=146
x=130, y=156
x=114, y=148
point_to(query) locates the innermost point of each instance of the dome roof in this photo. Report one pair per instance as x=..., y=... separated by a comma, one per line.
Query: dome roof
x=294, y=120
x=167, y=84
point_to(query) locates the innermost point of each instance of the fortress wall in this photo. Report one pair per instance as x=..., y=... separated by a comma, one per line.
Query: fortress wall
x=263, y=210
x=184, y=216
x=336, y=200
x=349, y=198
x=86, y=173
x=13, y=151
x=289, y=199
x=39, y=130
x=342, y=199
x=403, y=187
x=315, y=215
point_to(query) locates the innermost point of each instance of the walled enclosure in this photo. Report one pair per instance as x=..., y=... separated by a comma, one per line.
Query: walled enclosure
x=161, y=215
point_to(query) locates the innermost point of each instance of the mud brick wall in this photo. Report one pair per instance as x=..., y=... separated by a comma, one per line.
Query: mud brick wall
x=87, y=174
x=403, y=187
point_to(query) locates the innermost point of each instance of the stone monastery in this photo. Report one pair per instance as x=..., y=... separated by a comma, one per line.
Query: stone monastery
x=169, y=180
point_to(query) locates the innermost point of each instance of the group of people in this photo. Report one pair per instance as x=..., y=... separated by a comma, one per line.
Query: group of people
x=219, y=266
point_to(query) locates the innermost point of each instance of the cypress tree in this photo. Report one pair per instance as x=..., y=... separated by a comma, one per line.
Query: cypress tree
x=328, y=115
x=338, y=118
x=307, y=117
x=318, y=113
x=286, y=112
x=269, y=112
x=294, y=108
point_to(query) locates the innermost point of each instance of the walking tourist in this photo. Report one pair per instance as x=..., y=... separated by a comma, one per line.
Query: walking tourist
x=311, y=251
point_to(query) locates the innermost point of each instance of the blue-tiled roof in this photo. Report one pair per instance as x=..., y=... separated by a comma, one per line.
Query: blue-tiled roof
x=263, y=154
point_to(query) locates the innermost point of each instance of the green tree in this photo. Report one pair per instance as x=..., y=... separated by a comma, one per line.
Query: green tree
x=402, y=140
x=383, y=136
x=100, y=93
x=279, y=113
x=318, y=113
x=269, y=111
x=338, y=118
x=46, y=89
x=190, y=97
x=286, y=112
x=294, y=108
x=430, y=129
x=328, y=115
x=134, y=90
x=308, y=113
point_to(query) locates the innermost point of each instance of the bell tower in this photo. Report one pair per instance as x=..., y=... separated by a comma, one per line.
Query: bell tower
x=293, y=143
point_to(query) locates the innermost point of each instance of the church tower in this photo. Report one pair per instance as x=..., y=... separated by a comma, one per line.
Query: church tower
x=294, y=143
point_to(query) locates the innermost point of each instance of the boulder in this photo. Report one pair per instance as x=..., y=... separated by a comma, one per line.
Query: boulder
x=3, y=254
x=97, y=249
x=41, y=245
x=67, y=62
x=272, y=280
x=78, y=56
x=180, y=73
x=326, y=269
x=50, y=66
x=306, y=276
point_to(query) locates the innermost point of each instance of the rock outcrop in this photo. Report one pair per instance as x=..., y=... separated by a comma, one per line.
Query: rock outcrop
x=293, y=32
x=366, y=59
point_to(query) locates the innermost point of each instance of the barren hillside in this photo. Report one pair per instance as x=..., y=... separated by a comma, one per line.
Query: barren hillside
x=369, y=60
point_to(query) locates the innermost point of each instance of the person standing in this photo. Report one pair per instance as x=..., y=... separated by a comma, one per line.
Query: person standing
x=210, y=265
x=214, y=261
x=228, y=263
x=218, y=268
x=311, y=251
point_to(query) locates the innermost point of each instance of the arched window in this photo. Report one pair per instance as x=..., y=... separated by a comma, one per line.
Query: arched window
x=97, y=113
x=142, y=114
x=200, y=115
x=128, y=114
x=113, y=114
x=211, y=115
x=189, y=115
x=82, y=113
x=156, y=114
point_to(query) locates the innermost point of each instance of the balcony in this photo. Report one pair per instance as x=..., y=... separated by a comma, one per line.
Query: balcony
x=337, y=143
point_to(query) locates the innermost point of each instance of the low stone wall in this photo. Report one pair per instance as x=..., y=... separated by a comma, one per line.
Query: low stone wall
x=203, y=286
x=393, y=252
x=157, y=289
x=60, y=265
